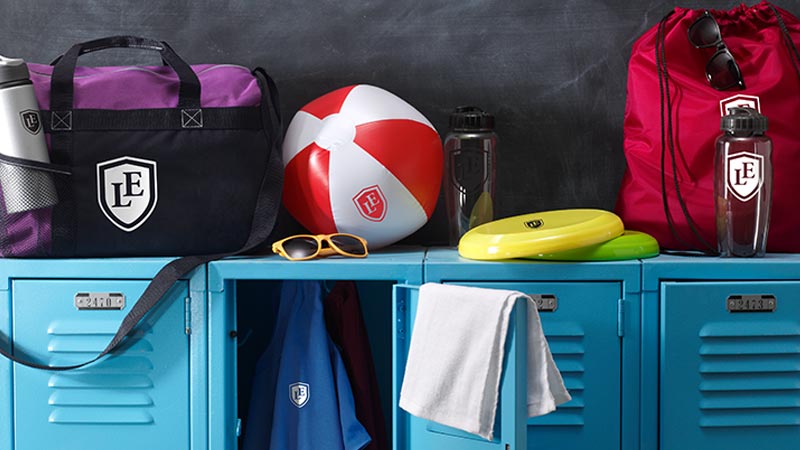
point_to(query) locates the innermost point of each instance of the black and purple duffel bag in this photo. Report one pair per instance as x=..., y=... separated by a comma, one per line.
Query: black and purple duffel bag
x=169, y=160
x=149, y=161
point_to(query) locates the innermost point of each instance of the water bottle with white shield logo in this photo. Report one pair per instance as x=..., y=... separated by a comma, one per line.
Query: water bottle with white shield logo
x=743, y=183
x=22, y=144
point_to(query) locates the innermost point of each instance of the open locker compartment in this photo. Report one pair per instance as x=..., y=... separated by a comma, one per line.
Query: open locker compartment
x=241, y=318
x=257, y=304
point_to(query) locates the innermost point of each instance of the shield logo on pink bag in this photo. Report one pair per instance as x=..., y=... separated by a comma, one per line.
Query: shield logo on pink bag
x=371, y=203
x=739, y=101
x=127, y=191
x=745, y=175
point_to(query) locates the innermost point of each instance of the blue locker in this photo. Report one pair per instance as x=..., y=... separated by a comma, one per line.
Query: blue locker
x=722, y=359
x=147, y=394
x=169, y=387
x=593, y=333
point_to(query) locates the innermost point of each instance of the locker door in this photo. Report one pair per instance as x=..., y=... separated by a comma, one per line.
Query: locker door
x=730, y=379
x=582, y=332
x=411, y=433
x=135, y=399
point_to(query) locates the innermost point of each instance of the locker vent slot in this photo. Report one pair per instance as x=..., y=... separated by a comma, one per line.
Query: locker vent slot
x=115, y=391
x=750, y=374
x=566, y=340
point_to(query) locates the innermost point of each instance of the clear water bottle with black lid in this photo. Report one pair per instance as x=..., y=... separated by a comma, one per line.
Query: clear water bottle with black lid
x=743, y=183
x=469, y=163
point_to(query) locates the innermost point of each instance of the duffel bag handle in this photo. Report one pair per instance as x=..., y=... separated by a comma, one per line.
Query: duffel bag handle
x=111, y=42
x=61, y=84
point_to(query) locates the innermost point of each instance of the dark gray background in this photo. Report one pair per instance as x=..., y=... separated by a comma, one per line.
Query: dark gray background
x=553, y=72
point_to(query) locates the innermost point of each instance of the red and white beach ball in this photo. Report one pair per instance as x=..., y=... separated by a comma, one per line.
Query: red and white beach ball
x=361, y=160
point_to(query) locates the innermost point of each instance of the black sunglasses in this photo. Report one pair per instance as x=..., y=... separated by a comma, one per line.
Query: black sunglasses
x=721, y=70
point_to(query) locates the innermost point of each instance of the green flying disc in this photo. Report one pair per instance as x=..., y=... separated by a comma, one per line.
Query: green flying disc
x=631, y=245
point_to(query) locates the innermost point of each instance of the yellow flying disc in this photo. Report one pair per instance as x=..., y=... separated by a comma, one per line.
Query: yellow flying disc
x=539, y=233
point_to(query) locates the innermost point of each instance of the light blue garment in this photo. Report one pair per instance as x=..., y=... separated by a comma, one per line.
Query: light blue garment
x=302, y=398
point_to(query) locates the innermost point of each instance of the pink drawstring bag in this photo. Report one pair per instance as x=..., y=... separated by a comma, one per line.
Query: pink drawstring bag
x=677, y=93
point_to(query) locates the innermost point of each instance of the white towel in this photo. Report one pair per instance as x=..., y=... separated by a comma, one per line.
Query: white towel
x=456, y=355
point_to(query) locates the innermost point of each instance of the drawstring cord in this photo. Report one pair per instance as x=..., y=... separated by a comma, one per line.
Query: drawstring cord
x=667, y=141
x=793, y=54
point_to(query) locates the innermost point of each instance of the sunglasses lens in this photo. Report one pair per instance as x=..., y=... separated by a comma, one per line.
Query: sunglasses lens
x=722, y=71
x=348, y=244
x=704, y=32
x=300, y=247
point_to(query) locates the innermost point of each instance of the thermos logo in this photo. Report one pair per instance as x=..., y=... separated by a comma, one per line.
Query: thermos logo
x=534, y=224
x=30, y=121
x=745, y=175
x=127, y=191
x=371, y=203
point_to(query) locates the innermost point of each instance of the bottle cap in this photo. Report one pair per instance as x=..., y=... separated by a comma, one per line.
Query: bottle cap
x=471, y=118
x=13, y=69
x=742, y=121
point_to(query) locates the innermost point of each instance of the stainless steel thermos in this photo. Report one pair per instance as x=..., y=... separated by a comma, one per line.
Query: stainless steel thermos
x=25, y=186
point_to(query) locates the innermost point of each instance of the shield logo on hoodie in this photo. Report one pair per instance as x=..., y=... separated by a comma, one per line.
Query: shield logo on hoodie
x=299, y=394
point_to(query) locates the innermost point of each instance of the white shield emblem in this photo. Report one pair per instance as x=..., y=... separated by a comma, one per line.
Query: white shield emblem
x=739, y=101
x=299, y=394
x=127, y=191
x=745, y=175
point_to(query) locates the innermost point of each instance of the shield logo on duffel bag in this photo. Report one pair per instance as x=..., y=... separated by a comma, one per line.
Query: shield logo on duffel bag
x=299, y=394
x=745, y=175
x=127, y=191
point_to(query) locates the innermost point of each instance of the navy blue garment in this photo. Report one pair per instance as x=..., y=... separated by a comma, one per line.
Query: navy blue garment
x=302, y=399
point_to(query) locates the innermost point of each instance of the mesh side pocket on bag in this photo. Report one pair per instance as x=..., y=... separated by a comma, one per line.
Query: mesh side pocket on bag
x=29, y=191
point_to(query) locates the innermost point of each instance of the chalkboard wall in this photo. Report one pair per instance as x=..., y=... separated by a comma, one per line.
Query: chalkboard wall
x=553, y=72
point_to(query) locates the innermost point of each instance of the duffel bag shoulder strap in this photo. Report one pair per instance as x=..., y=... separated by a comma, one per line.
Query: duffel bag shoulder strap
x=264, y=216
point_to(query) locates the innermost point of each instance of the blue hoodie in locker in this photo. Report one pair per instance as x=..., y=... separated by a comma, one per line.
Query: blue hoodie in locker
x=301, y=397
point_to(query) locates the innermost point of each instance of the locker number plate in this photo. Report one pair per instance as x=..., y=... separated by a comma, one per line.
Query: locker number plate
x=545, y=302
x=752, y=303
x=99, y=300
